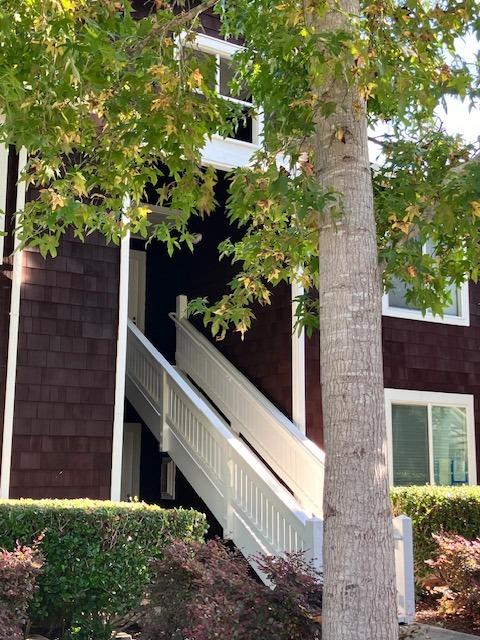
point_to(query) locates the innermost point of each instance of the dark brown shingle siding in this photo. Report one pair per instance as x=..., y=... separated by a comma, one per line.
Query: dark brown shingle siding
x=66, y=372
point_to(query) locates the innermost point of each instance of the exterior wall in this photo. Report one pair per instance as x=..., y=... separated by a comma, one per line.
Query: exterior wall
x=427, y=356
x=5, y=287
x=264, y=356
x=313, y=389
x=64, y=396
x=417, y=355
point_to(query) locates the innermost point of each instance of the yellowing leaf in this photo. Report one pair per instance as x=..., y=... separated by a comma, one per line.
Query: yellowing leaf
x=475, y=206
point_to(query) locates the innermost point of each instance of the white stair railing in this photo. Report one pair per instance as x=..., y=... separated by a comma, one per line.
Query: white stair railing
x=289, y=453
x=254, y=508
x=256, y=511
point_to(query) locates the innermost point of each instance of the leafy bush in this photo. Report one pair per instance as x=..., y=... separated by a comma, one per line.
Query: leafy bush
x=96, y=556
x=18, y=571
x=456, y=565
x=203, y=591
x=434, y=510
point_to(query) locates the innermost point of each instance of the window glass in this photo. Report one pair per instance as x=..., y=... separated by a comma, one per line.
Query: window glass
x=227, y=73
x=396, y=298
x=450, y=461
x=410, y=445
x=219, y=73
x=206, y=63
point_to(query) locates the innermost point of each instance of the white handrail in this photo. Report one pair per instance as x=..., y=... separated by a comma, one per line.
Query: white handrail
x=254, y=508
x=297, y=460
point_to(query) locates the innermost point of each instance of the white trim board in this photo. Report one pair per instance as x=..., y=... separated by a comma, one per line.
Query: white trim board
x=299, y=417
x=120, y=368
x=12, y=341
x=426, y=398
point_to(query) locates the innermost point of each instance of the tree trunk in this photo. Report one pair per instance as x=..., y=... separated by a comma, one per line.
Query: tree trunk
x=359, y=589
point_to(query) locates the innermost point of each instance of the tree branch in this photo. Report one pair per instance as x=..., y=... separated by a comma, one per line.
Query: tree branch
x=192, y=14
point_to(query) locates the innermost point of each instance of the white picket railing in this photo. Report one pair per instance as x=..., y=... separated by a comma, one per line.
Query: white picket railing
x=292, y=456
x=256, y=511
x=254, y=508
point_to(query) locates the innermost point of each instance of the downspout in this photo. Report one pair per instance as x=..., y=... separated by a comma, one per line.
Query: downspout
x=12, y=341
x=120, y=370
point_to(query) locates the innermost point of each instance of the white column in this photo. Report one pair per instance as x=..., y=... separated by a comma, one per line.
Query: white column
x=298, y=367
x=403, y=534
x=117, y=442
x=12, y=343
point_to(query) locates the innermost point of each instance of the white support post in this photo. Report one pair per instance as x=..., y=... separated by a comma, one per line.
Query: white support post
x=316, y=528
x=162, y=425
x=298, y=367
x=182, y=304
x=228, y=487
x=120, y=370
x=12, y=341
x=403, y=535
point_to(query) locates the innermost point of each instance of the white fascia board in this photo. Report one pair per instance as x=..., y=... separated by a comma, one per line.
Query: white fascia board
x=227, y=154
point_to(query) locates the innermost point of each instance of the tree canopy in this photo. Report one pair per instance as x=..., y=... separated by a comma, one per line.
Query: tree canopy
x=105, y=103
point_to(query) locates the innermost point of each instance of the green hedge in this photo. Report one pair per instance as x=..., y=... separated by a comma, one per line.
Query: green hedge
x=435, y=509
x=96, y=555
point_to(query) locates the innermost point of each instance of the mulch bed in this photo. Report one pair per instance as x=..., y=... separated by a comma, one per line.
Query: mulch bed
x=427, y=613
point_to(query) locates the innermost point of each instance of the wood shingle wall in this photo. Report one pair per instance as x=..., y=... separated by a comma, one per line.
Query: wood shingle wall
x=64, y=397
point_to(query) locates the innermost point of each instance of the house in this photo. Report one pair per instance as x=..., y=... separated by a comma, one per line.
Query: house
x=108, y=391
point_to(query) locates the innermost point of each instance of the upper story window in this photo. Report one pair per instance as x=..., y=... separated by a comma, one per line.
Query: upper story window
x=431, y=438
x=235, y=151
x=395, y=303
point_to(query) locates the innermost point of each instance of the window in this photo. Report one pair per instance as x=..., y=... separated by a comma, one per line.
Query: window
x=395, y=303
x=228, y=153
x=431, y=438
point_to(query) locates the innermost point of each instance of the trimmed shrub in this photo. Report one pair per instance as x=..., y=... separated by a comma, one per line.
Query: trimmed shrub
x=204, y=591
x=18, y=571
x=435, y=510
x=96, y=554
x=456, y=565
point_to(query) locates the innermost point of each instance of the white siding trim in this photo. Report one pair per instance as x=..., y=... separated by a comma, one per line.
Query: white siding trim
x=12, y=344
x=214, y=46
x=120, y=370
x=227, y=153
x=463, y=320
x=426, y=398
x=298, y=368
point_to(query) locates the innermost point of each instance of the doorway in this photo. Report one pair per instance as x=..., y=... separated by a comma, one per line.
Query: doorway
x=136, y=288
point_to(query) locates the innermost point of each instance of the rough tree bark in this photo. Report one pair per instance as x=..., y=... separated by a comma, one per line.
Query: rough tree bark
x=359, y=589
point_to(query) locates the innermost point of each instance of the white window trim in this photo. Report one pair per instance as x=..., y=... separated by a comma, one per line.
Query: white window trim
x=226, y=153
x=462, y=320
x=428, y=398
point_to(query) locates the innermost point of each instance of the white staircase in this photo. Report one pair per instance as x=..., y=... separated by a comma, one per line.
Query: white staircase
x=260, y=513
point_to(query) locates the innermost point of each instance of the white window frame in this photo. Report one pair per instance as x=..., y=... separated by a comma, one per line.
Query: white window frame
x=415, y=314
x=429, y=399
x=226, y=153
x=462, y=320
